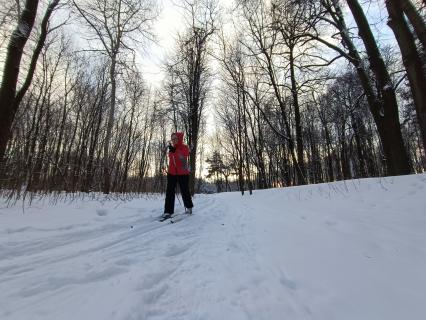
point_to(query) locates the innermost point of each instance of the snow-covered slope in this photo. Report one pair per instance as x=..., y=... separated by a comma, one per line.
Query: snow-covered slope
x=347, y=250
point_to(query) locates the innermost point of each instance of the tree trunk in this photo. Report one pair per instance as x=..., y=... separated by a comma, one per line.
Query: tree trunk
x=128, y=155
x=329, y=153
x=416, y=20
x=387, y=117
x=239, y=144
x=87, y=184
x=344, y=159
x=299, y=139
x=412, y=62
x=11, y=68
x=358, y=146
x=193, y=144
x=246, y=138
x=40, y=43
x=107, y=159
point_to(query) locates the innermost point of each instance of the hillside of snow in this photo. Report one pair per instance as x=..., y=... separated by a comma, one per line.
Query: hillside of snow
x=341, y=251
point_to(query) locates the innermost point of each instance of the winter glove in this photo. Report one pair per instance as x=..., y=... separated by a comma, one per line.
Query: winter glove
x=171, y=148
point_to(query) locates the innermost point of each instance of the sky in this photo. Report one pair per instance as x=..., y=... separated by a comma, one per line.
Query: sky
x=166, y=28
x=170, y=22
x=152, y=55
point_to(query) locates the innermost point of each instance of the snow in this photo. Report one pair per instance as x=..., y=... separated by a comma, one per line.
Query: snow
x=345, y=250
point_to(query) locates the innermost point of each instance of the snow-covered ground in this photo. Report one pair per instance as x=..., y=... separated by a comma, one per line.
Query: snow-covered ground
x=347, y=250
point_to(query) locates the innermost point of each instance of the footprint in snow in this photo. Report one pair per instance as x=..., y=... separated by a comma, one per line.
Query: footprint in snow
x=102, y=212
x=175, y=250
x=331, y=223
x=288, y=283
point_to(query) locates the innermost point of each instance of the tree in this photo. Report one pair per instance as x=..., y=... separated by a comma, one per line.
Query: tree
x=378, y=87
x=413, y=15
x=10, y=97
x=217, y=169
x=189, y=74
x=410, y=57
x=115, y=25
x=264, y=45
x=387, y=115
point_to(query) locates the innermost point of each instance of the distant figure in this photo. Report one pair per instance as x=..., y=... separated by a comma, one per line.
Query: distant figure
x=178, y=172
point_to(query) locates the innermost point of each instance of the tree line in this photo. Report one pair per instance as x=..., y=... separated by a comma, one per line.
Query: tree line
x=307, y=98
x=299, y=95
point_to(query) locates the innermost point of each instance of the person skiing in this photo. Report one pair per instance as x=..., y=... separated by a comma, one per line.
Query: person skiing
x=178, y=172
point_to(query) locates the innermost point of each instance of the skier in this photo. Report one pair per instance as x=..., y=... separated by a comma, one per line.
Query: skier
x=178, y=172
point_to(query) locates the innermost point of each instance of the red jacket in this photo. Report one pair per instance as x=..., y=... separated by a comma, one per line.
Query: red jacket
x=178, y=160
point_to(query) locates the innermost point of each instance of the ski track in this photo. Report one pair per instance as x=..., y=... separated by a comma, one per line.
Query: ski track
x=324, y=256
x=48, y=265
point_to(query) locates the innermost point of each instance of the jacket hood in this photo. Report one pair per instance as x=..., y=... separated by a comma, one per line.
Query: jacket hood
x=180, y=137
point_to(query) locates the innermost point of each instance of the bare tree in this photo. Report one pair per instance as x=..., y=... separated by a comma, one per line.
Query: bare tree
x=410, y=57
x=396, y=154
x=413, y=15
x=188, y=69
x=10, y=97
x=116, y=25
x=378, y=87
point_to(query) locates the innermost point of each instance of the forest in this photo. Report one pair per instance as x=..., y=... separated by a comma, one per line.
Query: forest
x=269, y=93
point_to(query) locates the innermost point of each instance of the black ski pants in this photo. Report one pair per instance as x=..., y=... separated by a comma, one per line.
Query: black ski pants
x=183, y=181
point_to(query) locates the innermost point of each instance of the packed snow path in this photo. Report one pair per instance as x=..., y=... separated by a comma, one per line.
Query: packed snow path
x=347, y=250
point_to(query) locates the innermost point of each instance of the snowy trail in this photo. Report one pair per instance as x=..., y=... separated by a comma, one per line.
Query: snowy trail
x=348, y=250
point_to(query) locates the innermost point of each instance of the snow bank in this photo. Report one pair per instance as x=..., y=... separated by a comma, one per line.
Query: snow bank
x=346, y=250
